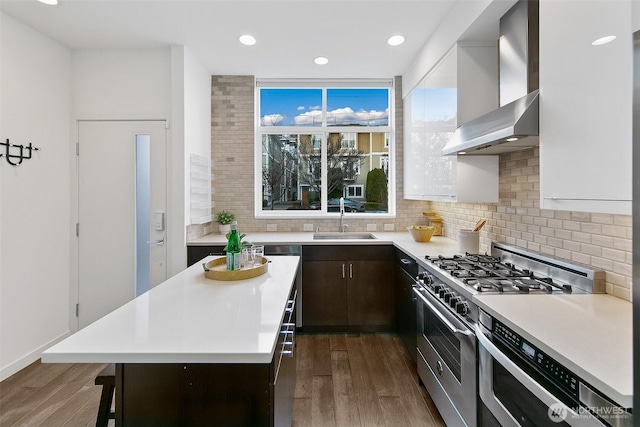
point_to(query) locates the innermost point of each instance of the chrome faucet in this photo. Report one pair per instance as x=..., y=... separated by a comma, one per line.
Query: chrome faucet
x=342, y=225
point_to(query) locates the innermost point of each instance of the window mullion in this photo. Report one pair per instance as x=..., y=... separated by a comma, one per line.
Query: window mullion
x=324, y=107
x=324, y=170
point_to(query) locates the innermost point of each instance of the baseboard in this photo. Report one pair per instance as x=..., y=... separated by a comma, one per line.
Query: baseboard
x=23, y=362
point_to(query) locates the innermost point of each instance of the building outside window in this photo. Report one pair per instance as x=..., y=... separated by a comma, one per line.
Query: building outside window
x=318, y=141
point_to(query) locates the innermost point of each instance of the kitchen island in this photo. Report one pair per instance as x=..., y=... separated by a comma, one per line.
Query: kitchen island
x=195, y=351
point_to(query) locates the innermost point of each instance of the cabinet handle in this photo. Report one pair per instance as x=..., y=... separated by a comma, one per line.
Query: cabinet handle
x=289, y=332
x=290, y=306
x=350, y=271
x=343, y=276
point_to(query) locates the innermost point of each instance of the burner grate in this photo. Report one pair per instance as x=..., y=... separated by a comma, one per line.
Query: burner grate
x=486, y=273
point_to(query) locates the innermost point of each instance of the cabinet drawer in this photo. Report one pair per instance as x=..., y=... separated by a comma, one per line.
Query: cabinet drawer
x=348, y=252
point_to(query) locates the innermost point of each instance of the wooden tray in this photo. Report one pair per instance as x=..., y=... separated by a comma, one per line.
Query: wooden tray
x=217, y=270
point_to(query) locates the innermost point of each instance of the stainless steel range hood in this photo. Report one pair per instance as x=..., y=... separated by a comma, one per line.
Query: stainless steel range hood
x=515, y=125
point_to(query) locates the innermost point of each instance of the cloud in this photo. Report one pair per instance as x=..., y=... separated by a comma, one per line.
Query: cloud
x=301, y=108
x=315, y=107
x=309, y=118
x=344, y=116
x=271, y=120
x=339, y=116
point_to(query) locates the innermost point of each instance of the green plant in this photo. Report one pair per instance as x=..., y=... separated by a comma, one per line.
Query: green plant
x=376, y=190
x=224, y=217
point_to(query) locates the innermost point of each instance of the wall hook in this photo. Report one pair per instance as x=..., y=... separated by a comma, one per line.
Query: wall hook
x=24, y=152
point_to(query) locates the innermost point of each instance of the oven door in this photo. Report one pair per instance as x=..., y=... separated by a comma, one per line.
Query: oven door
x=509, y=397
x=447, y=360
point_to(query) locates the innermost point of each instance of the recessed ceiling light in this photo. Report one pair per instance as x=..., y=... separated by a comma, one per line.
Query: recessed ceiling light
x=49, y=2
x=603, y=40
x=511, y=139
x=247, y=40
x=395, y=40
x=462, y=152
x=321, y=60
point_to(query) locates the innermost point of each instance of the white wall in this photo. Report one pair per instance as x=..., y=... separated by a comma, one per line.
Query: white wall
x=35, y=196
x=197, y=119
x=191, y=133
x=122, y=84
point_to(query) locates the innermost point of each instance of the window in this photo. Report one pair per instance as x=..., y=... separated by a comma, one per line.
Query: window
x=356, y=191
x=348, y=141
x=319, y=141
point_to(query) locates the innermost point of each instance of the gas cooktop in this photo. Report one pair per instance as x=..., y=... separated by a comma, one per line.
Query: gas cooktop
x=486, y=273
x=510, y=269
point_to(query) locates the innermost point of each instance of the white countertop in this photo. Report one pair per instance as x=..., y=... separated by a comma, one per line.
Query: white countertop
x=591, y=334
x=438, y=245
x=189, y=319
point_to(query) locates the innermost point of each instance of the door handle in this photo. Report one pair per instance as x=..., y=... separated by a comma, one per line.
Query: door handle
x=343, y=276
x=350, y=271
x=441, y=316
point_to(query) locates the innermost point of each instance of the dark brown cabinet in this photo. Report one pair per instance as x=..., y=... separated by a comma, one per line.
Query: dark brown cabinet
x=348, y=288
x=406, y=270
x=196, y=253
x=203, y=394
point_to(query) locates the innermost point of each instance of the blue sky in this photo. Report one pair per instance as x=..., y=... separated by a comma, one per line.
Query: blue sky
x=303, y=106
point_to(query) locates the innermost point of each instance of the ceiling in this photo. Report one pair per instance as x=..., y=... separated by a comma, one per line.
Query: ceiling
x=352, y=34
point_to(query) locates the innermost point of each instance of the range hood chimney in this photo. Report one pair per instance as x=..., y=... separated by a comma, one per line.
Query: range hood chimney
x=515, y=125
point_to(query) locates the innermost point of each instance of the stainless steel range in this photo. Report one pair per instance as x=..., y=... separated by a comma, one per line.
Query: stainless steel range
x=448, y=319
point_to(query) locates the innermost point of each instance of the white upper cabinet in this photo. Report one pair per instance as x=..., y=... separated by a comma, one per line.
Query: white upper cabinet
x=586, y=106
x=461, y=87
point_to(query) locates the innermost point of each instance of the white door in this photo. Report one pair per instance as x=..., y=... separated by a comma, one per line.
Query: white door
x=122, y=188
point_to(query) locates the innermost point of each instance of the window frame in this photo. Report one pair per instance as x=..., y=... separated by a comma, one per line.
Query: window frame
x=324, y=131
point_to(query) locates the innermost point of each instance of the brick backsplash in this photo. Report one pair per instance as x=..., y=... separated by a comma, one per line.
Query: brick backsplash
x=602, y=241
x=599, y=240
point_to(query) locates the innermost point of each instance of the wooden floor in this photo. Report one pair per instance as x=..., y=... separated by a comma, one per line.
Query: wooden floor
x=342, y=380
x=359, y=380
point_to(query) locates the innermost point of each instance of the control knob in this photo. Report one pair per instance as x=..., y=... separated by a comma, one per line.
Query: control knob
x=442, y=292
x=453, y=302
x=462, y=308
x=425, y=277
x=448, y=296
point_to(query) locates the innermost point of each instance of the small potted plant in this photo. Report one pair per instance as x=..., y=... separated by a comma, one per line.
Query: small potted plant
x=224, y=220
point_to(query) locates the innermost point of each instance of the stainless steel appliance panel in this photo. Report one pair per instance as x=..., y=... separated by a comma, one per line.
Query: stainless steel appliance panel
x=513, y=394
x=447, y=357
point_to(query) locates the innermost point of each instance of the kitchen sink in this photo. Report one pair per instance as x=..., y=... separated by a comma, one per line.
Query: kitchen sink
x=343, y=236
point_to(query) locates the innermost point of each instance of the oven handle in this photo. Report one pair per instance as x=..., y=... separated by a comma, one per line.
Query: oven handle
x=441, y=316
x=535, y=388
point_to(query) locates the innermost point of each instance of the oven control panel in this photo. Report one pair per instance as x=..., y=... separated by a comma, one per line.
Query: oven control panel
x=547, y=365
x=447, y=295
